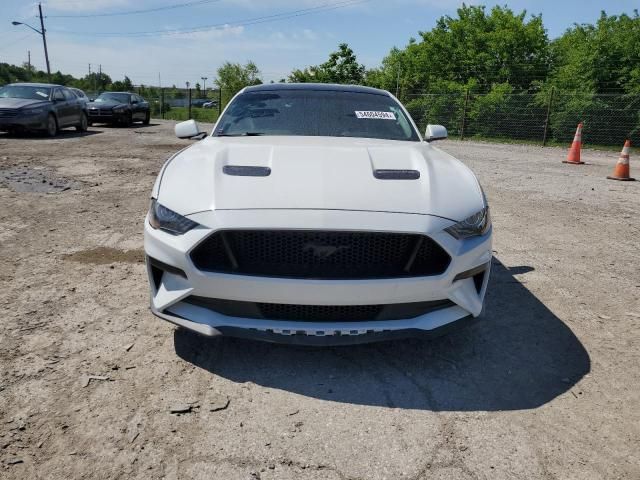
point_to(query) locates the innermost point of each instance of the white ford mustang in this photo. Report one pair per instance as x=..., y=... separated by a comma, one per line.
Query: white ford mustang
x=316, y=214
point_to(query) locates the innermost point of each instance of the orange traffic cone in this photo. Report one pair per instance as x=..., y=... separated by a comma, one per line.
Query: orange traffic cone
x=621, y=170
x=574, y=151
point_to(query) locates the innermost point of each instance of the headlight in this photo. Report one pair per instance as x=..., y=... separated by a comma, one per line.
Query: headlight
x=168, y=220
x=119, y=109
x=477, y=224
x=32, y=111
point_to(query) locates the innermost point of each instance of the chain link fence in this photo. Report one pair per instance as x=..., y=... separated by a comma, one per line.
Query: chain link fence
x=545, y=117
x=548, y=117
x=183, y=103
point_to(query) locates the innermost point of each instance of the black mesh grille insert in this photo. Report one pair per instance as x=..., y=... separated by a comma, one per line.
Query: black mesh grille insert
x=318, y=313
x=324, y=313
x=320, y=254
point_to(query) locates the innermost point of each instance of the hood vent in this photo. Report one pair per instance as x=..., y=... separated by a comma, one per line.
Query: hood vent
x=246, y=171
x=396, y=174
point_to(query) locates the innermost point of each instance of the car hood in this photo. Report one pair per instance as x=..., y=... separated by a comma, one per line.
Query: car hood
x=21, y=102
x=318, y=173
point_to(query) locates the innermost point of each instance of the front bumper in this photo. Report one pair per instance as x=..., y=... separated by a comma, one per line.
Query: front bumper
x=169, y=294
x=106, y=117
x=24, y=122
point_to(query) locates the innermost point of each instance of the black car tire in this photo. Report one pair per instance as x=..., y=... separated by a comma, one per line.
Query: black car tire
x=52, y=125
x=84, y=123
x=128, y=120
x=147, y=118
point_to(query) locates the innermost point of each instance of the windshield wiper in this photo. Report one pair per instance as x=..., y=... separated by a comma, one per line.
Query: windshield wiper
x=243, y=134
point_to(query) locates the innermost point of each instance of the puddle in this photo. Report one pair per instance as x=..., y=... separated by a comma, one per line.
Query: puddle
x=25, y=179
x=106, y=255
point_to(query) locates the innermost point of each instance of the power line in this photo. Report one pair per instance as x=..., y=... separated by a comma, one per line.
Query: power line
x=7, y=45
x=136, y=12
x=238, y=23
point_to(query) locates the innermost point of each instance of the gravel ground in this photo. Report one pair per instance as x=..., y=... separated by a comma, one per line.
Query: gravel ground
x=546, y=387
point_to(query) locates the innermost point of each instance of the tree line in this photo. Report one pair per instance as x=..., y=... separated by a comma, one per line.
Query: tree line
x=484, y=51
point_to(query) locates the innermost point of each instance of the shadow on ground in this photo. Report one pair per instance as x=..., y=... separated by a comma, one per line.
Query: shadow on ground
x=520, y=356
x=61, y=135
x=94, y=129
x=135, y=126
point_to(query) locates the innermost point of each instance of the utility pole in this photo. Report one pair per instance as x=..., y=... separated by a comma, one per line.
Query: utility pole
x=44, y=41
x=44, y=37
x=29, y=61
x=89, y=77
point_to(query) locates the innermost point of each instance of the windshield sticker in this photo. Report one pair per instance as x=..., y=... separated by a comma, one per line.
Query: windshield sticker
x=376, y=115
x=42, y=94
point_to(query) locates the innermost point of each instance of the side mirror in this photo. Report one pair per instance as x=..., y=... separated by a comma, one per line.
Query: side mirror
x=188, y=129
x=435, y=132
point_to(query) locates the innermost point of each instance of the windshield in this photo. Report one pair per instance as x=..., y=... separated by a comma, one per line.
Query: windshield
x=110, y=97
x=316, y=113
x=25, y=91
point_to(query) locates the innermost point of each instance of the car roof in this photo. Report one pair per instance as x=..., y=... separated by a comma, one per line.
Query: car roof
x=331, y=87
x=27, y=84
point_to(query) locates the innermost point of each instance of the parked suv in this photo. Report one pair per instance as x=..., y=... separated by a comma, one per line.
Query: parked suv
x=40, y=107
x=119, y=107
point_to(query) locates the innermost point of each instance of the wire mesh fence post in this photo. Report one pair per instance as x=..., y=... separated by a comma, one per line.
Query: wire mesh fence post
x=219, y=101
x=189, y=100
x=464, y=114
x=162, y=103
x=546, y=119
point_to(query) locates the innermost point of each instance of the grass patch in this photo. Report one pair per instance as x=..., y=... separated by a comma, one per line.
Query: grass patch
x=208, y=115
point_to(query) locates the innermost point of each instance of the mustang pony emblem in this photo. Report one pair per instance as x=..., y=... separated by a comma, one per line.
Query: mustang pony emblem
x=324, y=251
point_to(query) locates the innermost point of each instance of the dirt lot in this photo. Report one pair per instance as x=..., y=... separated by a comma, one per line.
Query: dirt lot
x=546, y=387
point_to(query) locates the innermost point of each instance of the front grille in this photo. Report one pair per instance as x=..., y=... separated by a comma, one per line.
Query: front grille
x=8, y=112
x=100, y=112
x=318, y=313
x=320, y=254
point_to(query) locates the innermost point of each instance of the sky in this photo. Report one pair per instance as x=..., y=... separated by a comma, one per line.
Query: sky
x=190, y=39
